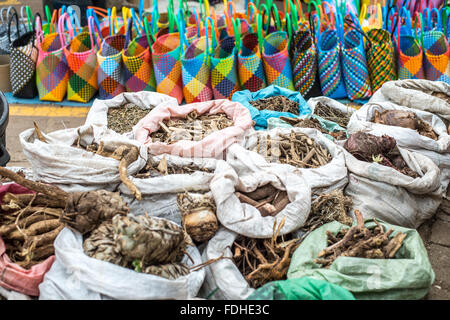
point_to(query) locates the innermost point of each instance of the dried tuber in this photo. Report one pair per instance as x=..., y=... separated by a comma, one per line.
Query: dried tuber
x=198, y=215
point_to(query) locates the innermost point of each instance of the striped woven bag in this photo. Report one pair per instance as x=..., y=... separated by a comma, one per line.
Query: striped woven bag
x=409, y=49
x=303, y=56
x=81, y=55
x=275, y=56
x=329, y=61
x=167, y=51
x=52, y=73
x=196, y=67
x=138, y=71
x=110, y=65
x=436, y=48
x=224, y=77
x=354, y=63
x=380, y=52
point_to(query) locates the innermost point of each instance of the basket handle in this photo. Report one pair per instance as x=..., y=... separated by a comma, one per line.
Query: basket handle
x=237, y=32
x=418, y=17
x=353, y=22
x=137, y=23
x=210, y=48
x=252, y=11
x=91, y=13
x=14, y=14
x=39, y=33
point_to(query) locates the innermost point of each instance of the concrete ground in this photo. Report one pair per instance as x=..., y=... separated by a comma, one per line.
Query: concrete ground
x=435, y=232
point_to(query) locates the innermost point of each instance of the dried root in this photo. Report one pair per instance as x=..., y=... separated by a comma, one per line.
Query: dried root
x=264, y=260
x=359, y=241
x=29, y=231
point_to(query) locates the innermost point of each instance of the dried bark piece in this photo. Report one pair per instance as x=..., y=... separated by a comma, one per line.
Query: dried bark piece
x=149, y=239
x=86, y=210
x=169, y=271
x=101, y=245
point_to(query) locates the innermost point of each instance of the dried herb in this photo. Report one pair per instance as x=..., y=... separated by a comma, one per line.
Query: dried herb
x=296, y=149
x=264, y=260
x=122, y=119
x=276, y=103
x=193, y=127
x=331, y=114
x=359, y=241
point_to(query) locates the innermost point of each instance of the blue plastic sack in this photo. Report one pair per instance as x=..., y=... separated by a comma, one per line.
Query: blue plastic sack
x=261, y=116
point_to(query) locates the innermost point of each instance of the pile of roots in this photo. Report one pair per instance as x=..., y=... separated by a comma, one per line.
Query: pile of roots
x=361, y=242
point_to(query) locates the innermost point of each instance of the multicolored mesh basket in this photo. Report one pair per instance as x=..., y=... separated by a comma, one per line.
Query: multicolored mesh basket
x=81, y=55
x=110, y=79
x=52, y=73
x=329, y=61
x=436, y=48
x=275, y=56
x=250, y=65
x=196, y=68
x=409, y=51
x=23, y=59
x=380, y=56
x=303, y=56
x=224, y=76
x=167, y=51
x=138, y=73
x=437, y=56
x=354, y=63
